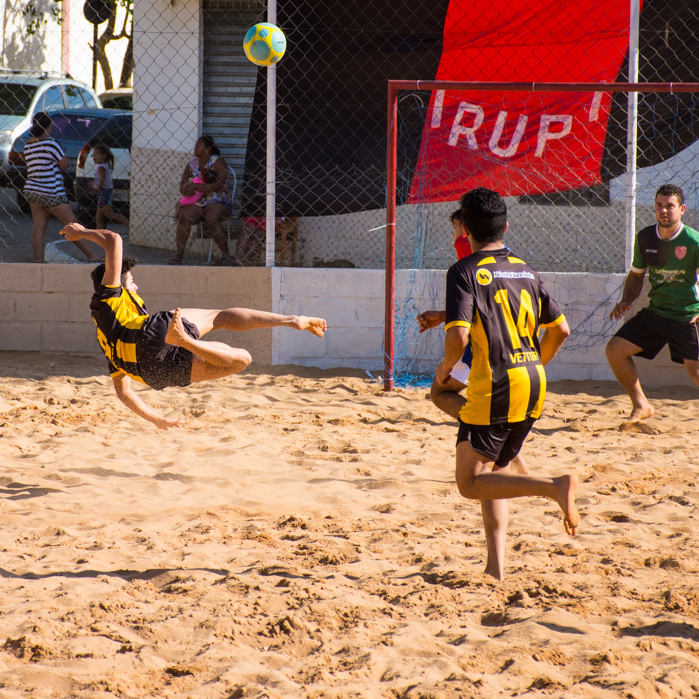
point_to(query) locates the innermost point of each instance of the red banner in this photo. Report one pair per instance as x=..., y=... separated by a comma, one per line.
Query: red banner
x=521, y=143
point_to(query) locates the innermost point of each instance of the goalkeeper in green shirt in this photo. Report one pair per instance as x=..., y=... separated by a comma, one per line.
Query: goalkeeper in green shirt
x=669, y=252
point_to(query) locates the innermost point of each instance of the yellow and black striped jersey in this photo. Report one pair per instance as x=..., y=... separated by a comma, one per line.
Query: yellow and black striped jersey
x=119, y=316
x=503, y=302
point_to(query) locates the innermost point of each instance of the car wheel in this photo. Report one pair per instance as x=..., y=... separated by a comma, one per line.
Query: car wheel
x=22, y=203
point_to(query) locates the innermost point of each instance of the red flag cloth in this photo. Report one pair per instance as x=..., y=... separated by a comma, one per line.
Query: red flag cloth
x=521, y=142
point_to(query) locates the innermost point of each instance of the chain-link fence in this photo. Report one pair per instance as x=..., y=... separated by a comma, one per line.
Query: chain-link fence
x=184, y=65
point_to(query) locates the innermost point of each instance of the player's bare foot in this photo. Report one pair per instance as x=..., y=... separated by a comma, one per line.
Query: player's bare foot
x=494, y=571
x=643, y=412
x=176, y=334
x=317, y=326
x=567, y=486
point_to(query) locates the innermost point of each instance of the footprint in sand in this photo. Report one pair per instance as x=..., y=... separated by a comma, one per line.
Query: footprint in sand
x=638, y=428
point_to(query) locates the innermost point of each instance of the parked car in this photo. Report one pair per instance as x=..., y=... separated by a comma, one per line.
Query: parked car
x=72, y=128
x=23, y=93
x=118, y=98
x=115, y=133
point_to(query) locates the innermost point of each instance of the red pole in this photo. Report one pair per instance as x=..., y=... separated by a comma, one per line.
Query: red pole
x=389, y=323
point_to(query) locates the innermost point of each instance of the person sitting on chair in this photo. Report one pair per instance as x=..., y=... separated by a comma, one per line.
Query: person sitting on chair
x=214, y=206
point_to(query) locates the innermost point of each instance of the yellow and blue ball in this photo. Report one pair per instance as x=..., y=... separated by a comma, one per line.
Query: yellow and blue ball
x=264, y=44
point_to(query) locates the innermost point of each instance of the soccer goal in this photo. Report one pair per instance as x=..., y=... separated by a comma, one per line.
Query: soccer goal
x=579, y=164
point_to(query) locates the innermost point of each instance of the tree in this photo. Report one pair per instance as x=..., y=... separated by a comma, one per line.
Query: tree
x=39, y=14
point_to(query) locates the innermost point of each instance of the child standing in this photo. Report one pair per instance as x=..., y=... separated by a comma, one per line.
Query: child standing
x=103, y=187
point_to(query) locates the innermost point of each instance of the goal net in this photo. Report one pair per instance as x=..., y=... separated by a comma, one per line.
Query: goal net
x=578, y=163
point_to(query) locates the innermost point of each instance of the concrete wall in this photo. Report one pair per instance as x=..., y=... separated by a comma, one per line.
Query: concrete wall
x=46, y=308
x=353, y=302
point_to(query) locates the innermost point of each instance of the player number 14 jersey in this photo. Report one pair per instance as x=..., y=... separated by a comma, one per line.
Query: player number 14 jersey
x=503, y=303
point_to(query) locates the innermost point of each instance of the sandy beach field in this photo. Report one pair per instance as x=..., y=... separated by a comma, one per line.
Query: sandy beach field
x=302, y=536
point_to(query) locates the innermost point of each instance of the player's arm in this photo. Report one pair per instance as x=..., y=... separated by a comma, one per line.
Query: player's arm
x=111, y=243
x=431, y=319
x=131, y=399
x=455, y=342
x=632, y=290
x=553, y=338
x=459, y=311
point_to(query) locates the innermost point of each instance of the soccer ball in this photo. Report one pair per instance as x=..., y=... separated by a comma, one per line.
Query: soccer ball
x=264, y=44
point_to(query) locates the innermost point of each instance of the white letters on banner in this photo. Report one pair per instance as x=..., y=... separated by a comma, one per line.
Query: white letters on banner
x=468, y=109
x=514, y=141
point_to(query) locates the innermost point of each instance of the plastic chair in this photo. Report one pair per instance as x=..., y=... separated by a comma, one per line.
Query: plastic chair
x=201, y=226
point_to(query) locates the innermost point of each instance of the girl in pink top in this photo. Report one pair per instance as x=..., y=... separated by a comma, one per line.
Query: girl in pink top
x=206, y=178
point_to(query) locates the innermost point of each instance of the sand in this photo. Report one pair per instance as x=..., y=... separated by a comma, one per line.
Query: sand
x=302, y=536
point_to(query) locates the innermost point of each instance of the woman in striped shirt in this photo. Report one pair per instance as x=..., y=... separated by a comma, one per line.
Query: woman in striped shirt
x=44, y=189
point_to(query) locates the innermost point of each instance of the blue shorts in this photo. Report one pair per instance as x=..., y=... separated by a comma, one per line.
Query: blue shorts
x=105, y=197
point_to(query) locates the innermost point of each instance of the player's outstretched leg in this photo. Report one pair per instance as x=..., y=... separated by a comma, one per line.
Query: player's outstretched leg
x=476, y=480
x=215, y=354
x=692, y=368
x=239, y=319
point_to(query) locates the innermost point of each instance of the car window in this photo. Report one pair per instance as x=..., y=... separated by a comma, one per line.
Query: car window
x=116, y=133
x=74, y=98
x=52, y=100
x=15, y=99
x=124, y=102
x=73, y=127
x=89, y=100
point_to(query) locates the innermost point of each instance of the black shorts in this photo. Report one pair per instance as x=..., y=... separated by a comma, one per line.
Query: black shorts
x=499, y=443
x=652, y=332
x=162, y=365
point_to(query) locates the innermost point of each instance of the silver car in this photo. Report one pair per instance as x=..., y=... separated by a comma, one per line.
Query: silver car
x=23, y=93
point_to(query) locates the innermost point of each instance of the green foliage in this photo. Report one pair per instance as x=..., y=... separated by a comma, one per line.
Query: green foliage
x=38, y=17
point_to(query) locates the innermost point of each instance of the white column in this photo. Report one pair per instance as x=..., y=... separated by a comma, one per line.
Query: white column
x=631, y=133
x=271, y=199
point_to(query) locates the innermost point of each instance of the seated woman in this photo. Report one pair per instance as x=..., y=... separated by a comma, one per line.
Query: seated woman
x=213, y=206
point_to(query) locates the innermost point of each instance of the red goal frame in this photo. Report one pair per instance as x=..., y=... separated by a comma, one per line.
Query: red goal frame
x=394, y=87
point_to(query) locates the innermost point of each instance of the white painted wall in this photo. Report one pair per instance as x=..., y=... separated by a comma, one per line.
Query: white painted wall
x=22, y=52
x=681, y=170
x=167, y=112
x=167, y=78
x=352, y=301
